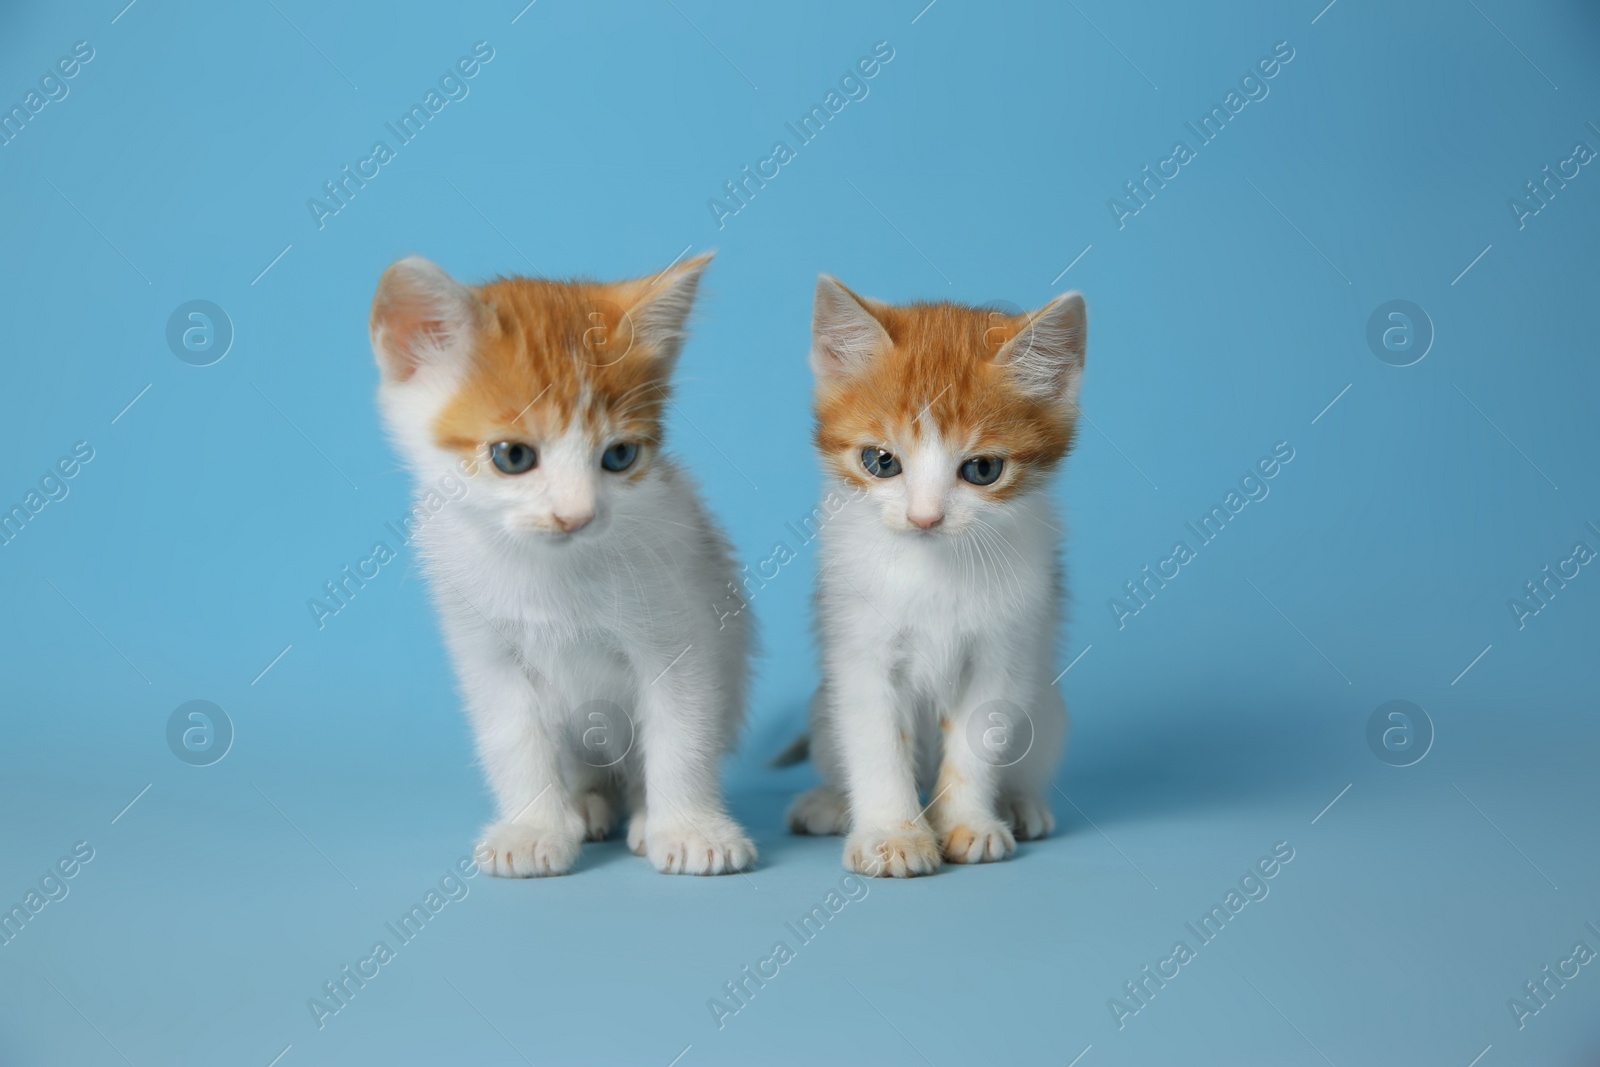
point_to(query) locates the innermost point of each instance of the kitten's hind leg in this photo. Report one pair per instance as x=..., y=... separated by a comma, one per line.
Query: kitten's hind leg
x=820, y=811
x=1025, y=786
x=599, y=813
x=636, y=828
x=637, y=820
x=1029, y=815
x=825, y=809
x=597, y=791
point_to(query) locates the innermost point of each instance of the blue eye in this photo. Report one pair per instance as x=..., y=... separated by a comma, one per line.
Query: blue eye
x=620, y=456
x=513, y=457
x=982, y=470
x=879, y=462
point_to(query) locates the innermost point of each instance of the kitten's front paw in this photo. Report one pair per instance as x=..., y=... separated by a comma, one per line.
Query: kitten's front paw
x=823, y=810
x=712, y=845
x=977, y=841
x=527, y=850
x=901, y=852
x=1030, y=817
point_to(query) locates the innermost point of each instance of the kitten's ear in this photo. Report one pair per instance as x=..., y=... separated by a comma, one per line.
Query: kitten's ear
x=659, y=310
x=421, y=317
x=1047, y=353
x=845, y=335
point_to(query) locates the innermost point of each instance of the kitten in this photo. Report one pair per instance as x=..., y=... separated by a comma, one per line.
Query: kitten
x=579, y=578
x=939, y=582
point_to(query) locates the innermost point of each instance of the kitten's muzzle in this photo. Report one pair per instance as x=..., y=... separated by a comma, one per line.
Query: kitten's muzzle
x=573, y=522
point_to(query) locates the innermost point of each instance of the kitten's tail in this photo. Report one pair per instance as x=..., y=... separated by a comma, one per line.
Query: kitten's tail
x=796, y=751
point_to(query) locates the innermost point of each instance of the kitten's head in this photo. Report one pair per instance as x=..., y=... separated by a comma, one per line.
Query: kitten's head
x=942, y=413
x=548, y=394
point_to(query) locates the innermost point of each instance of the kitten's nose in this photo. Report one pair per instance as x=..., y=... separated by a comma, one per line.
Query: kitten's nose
x=925, y=522
x=571, y=523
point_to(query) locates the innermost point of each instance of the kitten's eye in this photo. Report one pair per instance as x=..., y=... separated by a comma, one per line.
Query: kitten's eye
x=880, y=463
x=620, y=456
x=982, y=470
x=513, y=457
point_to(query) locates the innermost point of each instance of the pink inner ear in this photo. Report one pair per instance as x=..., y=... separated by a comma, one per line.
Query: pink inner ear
x=406, y=321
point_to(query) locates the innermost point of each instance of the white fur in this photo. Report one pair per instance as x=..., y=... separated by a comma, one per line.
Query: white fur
x=1047, y=353
x=922, y=629
x=919, y=631
x=844, y=336
x=548, y=629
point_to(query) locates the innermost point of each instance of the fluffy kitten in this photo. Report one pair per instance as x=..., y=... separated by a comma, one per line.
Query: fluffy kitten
x=579, y=580
x=939, y=582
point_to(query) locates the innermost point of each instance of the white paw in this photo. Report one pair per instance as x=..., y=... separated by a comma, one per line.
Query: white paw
x=528, y=850
x=636, y=824
x=823, y=810
x=977, y=841
x=713, y=844
x=598, y=815
x=1029, y=815
x=900, y=852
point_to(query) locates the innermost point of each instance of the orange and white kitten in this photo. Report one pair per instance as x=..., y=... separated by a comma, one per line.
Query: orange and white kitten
x=939, y=583
x=578, y=577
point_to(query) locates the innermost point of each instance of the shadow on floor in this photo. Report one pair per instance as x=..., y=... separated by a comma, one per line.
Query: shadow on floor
x=1132, y=768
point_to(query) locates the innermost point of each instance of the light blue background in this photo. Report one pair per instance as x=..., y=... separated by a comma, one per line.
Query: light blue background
x=1221, y=720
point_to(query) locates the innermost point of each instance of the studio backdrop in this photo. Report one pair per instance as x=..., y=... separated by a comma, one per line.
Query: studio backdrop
x=1328, y=527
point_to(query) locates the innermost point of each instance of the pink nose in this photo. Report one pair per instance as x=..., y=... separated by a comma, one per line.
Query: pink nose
x=570, y=523
x=926, y=522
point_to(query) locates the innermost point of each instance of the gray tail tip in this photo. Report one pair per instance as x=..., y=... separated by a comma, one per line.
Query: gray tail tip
x=796, y=751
